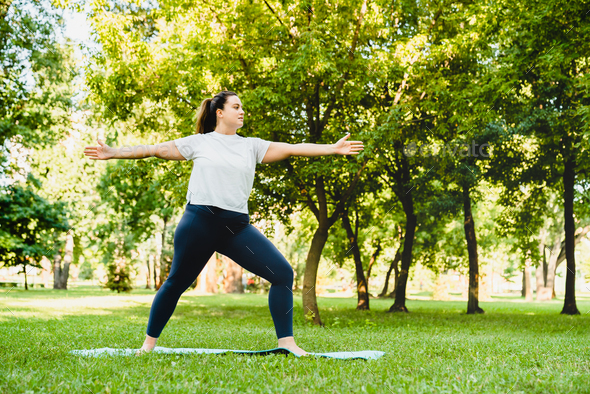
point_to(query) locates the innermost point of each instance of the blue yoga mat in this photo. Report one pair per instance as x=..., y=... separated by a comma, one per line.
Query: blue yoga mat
x=363, y=354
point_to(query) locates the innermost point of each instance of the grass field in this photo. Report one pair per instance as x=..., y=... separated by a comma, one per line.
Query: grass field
x=515, y=347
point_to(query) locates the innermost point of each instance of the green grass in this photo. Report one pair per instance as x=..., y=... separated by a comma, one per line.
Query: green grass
x=515, y=347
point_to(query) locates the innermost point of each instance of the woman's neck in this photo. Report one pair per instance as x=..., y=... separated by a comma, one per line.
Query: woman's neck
x=222, y=129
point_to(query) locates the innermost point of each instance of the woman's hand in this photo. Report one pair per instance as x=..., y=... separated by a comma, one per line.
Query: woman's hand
x=101, y=152
x=343, y=147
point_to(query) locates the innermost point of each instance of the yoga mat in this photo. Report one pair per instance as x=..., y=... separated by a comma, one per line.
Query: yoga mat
x=363, y=354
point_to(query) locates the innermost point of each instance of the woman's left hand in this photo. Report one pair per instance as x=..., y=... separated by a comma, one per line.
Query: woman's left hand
x=344, y=147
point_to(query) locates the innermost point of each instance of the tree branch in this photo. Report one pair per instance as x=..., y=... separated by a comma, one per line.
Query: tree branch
x=321, y=193
x=356, y=223
x=279, y=19
x=357, y=30
x=313, y=207
x=340, y=206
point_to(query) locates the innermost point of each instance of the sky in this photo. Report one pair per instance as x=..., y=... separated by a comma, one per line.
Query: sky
x=77, y=28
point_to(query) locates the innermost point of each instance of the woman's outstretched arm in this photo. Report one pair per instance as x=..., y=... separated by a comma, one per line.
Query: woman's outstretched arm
x=165, y=150
x=280, y=150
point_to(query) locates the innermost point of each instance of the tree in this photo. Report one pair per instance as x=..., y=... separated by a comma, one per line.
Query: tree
x=462, y=175
x=547, y=74
x=300, y=85
x=403, y=89
x=36, y=87
x=68, y=177
x=232, y=281
x=305, y=82
x=393, y=266
x=292, y=239
x=552, y=244
x=369, y=210
x=131, y=195
x=27, y=223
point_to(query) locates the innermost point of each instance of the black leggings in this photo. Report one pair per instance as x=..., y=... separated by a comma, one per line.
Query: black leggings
x=205, y=229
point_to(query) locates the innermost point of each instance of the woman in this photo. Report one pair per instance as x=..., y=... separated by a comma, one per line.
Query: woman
x=216, y=215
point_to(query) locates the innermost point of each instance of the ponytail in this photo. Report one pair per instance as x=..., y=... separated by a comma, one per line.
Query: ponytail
x=207, y=116
x=206, y=121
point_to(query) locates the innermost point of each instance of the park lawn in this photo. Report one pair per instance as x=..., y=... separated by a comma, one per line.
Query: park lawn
x=515, y=347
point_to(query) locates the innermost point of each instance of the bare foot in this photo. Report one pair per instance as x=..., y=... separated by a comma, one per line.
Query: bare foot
x=289, y=344
x=148, y=345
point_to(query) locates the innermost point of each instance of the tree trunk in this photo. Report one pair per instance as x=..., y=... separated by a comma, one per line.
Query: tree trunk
x=25, y=272
x=68, y=258
x=310, y=305
x=545, y=267
x=469, y=227
x=560, y=258
x=388, y=275
x=540, y=283
x=528, y=290
x=403, y=191
x=392, y=266
x=232, y=283
x=312, y=262
x=523, y=288
x=164, y=268
x=361, y=281
x=211, y=274
x=547, y=292
x=395, y=278
x=56, y=262
x=148, y=277
x=402, y=281
x=540, y=274
x=156, y=271
x=372, y=261
x=569, y=178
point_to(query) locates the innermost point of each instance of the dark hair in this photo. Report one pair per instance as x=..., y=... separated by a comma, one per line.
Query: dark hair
x=207, y=118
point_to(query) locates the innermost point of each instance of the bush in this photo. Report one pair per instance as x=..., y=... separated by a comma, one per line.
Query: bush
x=118, y=278
x=86, y=271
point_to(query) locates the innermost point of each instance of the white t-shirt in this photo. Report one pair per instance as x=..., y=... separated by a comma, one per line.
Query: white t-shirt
x=223, y=168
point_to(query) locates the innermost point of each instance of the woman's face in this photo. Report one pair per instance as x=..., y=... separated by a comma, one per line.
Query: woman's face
x=233, y=113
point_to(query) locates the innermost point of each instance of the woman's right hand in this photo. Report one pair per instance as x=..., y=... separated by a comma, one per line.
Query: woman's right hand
x=101, y=152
